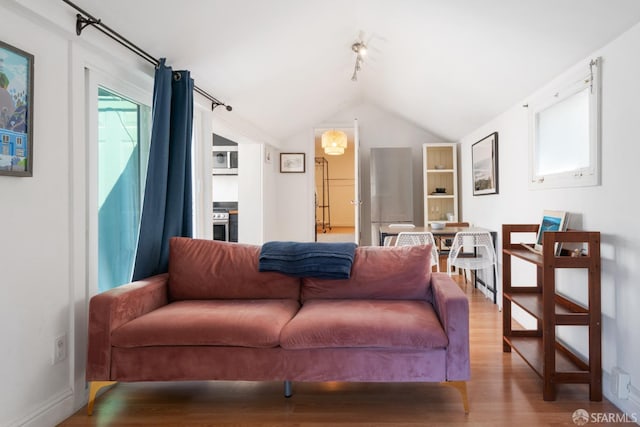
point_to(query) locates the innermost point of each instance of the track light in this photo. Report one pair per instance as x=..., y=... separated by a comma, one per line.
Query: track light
x=361, y=50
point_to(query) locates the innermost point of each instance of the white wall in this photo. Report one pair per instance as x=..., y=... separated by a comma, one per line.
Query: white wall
x=202, y=122
x=225, y=188
x=271, y=169
x=611, y=208
x=36, y=240
x=378, y=128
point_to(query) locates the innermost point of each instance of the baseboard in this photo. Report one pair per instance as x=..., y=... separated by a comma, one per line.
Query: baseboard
x=53, y=411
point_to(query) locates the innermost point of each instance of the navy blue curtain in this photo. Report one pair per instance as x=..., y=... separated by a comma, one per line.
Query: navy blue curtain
x=167, y=207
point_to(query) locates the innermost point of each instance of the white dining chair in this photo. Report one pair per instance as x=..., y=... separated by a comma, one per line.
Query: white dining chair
x=473, y=250
x=417, y=238
x=461, y=271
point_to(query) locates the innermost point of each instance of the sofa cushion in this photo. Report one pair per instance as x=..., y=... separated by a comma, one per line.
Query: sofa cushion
x=210, y=269
x=364, y=323
x=243, y=323
x=378, y=272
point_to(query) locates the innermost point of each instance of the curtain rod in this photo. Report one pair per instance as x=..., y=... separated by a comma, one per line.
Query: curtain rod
x=88, y=20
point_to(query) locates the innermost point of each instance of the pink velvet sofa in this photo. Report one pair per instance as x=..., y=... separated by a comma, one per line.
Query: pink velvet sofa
x=214, y=316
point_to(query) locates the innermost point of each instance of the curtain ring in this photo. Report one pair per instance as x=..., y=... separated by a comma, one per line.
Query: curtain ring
x=177, y=76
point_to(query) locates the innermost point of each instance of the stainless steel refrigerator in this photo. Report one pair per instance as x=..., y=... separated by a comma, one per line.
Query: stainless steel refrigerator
x=391, y=188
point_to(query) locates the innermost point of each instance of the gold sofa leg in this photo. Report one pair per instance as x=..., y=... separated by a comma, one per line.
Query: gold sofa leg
x=94, y=387
x=461, y=386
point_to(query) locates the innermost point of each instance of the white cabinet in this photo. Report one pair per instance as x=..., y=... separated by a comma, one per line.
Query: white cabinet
x=440, y=170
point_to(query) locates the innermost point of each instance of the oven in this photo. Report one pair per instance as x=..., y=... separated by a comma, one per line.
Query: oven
x=221, y=224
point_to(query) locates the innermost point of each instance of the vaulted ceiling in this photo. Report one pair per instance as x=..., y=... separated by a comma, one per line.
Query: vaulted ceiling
x=446, y=65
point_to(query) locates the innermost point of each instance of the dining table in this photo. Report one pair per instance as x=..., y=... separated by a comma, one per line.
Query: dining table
x=443, y=238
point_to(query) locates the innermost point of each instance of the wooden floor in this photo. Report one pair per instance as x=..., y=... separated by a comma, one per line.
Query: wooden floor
x=337, y=229
x=503, y=391
x=335, y=234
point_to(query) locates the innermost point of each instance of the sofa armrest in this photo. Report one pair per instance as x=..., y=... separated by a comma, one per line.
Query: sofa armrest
x=452, y=307
x=110, y=310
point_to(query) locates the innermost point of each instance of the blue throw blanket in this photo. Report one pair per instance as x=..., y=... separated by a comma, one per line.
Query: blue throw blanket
x=308, y=259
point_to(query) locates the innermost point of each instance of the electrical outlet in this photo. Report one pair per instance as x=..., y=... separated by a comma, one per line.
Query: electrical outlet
x=620, y=383
x=60, y=348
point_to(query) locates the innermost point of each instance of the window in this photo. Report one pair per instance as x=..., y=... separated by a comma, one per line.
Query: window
x=123, y=149
x=564, y=138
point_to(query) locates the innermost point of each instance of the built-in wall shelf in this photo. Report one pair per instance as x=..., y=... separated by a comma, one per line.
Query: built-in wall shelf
x=440, y=174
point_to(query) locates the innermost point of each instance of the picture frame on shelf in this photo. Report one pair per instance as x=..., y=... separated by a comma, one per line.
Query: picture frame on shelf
x=551, y=221
x=484, y=160
x=16, y=111
x=292, y=162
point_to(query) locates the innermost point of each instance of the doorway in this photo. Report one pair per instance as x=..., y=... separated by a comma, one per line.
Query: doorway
x=335, y=187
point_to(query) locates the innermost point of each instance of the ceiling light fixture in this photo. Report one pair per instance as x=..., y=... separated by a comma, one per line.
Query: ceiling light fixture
x=334, y=142
x=361, y=50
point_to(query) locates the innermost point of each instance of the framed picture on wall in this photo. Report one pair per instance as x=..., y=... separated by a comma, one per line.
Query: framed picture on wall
x=484, y=160
x=292, y=163
x=16, y=111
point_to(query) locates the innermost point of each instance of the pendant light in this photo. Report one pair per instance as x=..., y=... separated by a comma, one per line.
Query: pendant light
x=334, y=142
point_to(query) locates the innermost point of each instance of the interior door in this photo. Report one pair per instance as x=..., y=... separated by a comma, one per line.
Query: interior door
x=356, y=202
x=337, y=187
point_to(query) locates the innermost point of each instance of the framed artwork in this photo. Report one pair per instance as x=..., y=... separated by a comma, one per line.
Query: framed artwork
x=484, y=160
x=292, y=163
x=16, y=111
x=551, y=221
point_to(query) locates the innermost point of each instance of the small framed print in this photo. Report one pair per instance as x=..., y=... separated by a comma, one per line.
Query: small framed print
x=292, y=163
x=16, y=111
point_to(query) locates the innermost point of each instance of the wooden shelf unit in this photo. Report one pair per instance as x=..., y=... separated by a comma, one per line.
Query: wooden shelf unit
x=542, y=351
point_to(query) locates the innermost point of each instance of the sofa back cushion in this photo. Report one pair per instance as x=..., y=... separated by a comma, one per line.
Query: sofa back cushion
x=209, y=269
x=379, y=272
